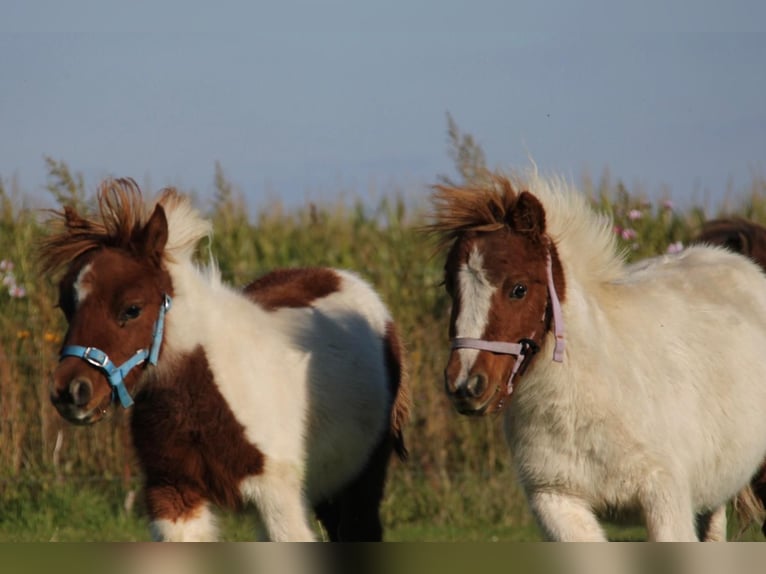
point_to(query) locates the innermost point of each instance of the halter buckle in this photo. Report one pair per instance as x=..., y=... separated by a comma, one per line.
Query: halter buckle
x=95, y=357
x=529, y=347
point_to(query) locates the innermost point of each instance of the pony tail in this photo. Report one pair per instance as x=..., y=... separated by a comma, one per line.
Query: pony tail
x=749, y=509
x=399, y=384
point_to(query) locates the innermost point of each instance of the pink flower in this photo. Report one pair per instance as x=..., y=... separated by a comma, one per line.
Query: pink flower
x=676, y=247
x=634, y=214
x=629, y=234
x=667, y=204
x=17, y=291
x=6, y=265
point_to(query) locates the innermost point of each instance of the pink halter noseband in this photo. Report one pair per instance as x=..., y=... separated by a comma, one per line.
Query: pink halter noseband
x=526, y=347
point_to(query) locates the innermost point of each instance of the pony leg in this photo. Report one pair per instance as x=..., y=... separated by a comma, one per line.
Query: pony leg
x=281, y=505
x=668, y=513
x=179, y=515
x=716, y=526
x=565, y=518
x=354, y=513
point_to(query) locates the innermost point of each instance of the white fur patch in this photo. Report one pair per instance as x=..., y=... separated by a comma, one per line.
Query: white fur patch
x=475, y=302
x=199, y=528
x=82, y=288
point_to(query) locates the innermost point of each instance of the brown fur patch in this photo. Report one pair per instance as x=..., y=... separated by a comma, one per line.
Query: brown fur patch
x=189, y=443
x=292, y=287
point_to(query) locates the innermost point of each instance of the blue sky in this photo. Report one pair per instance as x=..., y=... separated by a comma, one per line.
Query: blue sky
x=303, y=99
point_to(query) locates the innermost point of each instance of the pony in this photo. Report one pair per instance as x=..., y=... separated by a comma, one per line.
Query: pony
x=290, y=394
x=628, y=391
x=748, y=238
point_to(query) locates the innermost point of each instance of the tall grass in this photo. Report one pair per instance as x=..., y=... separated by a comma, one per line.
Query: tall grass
x=459, y=470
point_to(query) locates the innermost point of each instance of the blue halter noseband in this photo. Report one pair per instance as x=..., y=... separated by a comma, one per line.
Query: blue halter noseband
x=114, y=374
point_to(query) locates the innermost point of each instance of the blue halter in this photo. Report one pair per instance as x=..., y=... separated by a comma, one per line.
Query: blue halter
x=114, y=374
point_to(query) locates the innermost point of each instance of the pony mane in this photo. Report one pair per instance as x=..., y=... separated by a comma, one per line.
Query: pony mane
x=122, y=213
x=186, y=226
x=584, y=239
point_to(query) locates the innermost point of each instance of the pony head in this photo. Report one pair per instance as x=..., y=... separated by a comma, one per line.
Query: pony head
x=114, y=293
x=503, y=274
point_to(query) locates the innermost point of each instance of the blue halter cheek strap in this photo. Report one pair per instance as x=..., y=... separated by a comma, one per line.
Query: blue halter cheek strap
x=114, y=374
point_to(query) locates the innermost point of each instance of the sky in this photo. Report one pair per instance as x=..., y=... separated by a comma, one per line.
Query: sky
x=310, y=100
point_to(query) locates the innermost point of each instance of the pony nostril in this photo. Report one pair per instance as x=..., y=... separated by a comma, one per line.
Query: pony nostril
x=81, y=391
x=476, y=385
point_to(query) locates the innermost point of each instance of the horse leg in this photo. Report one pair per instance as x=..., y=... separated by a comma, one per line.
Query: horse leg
x=179, y=514
x=278, y=494
x=565, y=518
x=711, y=526
x=667, y=510
x=360, y=500
x=328, y=513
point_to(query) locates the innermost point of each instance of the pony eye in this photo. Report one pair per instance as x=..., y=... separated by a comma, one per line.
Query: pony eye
x=130, y=312
x=518, y=291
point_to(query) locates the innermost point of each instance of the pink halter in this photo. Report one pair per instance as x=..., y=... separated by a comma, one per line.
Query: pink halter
x=526, y=347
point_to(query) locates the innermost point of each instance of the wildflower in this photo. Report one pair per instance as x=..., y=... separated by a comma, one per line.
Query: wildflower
x=676, y=247
x=17, y=291
x=629, y=234
x=24, y=334
x=9, y=280
x=49, y=337
x=635, y=214
x=667, y=204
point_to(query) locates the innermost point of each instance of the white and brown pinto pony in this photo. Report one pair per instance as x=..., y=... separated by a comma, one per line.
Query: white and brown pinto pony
x=629, y=391
x=290, y=395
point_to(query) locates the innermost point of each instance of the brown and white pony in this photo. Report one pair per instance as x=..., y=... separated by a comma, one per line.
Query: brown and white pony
x=631, y=391
x=290, y=394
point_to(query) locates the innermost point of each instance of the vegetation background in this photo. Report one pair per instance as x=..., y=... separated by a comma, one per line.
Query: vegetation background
x=60, y=482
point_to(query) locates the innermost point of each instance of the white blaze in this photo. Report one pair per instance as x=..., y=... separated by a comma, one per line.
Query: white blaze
x=81, y=286
x=475, y=301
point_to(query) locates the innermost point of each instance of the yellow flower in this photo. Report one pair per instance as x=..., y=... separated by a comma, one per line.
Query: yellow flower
x=49, y=337
x=23, y=334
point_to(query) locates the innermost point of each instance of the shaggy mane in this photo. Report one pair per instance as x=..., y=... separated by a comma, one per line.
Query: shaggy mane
x=584, y=239
x=472, y=208
x=122, y=213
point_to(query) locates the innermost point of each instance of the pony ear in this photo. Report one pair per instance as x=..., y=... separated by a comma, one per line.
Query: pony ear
x=528, y=215
x=154, y=234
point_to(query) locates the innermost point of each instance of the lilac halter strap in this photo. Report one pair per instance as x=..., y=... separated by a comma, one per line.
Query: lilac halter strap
x=525, y=347
x=558, y=316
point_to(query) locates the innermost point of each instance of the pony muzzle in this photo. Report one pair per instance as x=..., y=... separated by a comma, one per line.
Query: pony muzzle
x=476, y=394
x=74, y=395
